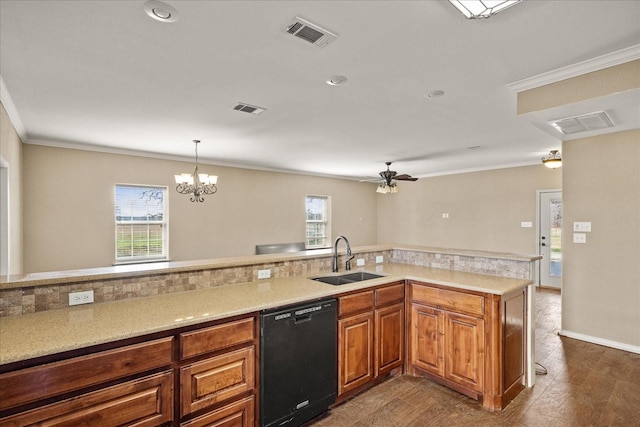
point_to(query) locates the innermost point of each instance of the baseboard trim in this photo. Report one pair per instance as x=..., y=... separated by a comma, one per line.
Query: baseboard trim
x=600, y=341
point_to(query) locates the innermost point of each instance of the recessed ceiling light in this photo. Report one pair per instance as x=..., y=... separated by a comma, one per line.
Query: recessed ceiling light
x=336, y=80
x=435, y=94
x=161, y=11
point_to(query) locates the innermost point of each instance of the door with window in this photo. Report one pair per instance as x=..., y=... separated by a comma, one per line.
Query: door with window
x=550, y=239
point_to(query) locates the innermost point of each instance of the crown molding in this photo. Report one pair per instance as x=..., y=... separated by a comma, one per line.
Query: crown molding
x=12, y=111
x=598, y=63
x=178, y=158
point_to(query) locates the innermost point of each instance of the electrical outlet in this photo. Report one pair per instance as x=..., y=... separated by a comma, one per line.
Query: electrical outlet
x=84, y=297
x=360, y=262
x=379, y=259
x=264, y=274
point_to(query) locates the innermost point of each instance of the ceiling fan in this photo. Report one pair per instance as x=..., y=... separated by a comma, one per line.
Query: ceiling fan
x=389, y=177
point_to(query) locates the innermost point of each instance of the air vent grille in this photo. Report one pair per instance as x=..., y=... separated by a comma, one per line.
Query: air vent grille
x=251, y=109
x=583, y=123
x=309, y=32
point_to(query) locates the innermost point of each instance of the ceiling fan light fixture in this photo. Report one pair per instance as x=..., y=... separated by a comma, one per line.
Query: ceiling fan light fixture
x=474, y=9
x=553, y=160
x=386, y=189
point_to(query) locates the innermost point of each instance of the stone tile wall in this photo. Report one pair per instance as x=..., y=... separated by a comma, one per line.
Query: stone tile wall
x=471, y=264
x=26, y=300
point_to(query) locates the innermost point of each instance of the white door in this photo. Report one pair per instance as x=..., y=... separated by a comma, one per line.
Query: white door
x=550, y=238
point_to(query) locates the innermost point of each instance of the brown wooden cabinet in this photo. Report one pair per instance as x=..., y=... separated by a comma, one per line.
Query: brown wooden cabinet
x=147, y=401
x=370, y=336
x=218, y=380
x=70, y=391
x=469, y=341
x=447, y=343
x=196, y=376
x=240, y=413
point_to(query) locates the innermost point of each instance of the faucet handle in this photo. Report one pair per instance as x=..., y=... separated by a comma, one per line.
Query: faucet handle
x=348, y=263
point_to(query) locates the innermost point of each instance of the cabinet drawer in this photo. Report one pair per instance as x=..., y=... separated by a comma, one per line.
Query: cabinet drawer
x=144, y=402
x=237, y=414
x=216, y=337
x=355, y=303
x=40, y=382
x=389, y=295
x=213, y=380
x=448, y=300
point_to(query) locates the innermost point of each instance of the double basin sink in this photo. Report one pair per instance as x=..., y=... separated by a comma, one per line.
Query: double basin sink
x=344, y=279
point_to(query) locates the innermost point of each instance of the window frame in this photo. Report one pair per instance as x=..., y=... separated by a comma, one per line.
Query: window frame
x=326, y=220
x=164, y=226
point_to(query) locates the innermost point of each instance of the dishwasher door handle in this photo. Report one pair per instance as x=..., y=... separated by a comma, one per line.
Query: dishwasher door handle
x=302, y=319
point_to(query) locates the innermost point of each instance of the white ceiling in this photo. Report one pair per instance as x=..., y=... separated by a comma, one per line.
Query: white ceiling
x=105, y=75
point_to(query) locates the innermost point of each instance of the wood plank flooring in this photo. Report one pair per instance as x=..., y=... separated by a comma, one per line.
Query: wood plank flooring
x=586, y=385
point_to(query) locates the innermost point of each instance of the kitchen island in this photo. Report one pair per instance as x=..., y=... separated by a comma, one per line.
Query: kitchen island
x=52, y=336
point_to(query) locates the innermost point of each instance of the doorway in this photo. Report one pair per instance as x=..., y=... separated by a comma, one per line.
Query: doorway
x=550, y=238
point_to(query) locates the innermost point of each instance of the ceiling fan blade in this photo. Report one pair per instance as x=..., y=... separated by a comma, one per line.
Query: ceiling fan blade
x=405, y=177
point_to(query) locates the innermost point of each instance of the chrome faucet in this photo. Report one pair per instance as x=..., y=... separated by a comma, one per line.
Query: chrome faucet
x=334, y=266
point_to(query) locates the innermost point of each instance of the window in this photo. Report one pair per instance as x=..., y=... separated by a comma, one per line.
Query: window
x=318, y=222
x=141, y=223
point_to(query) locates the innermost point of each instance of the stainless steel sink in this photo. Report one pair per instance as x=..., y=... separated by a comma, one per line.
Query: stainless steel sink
x=343, y=279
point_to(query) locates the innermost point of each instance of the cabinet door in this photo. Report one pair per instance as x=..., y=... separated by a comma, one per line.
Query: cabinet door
x=464, y=350
x=355, y=357
x=219, y=378
x=236, y=414
x=389, y=323
x=427, y=339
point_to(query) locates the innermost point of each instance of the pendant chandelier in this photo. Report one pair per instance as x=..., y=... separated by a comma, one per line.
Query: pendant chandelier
x=197, y=184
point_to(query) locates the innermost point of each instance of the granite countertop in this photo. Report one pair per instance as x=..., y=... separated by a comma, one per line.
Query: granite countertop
x=39, y=334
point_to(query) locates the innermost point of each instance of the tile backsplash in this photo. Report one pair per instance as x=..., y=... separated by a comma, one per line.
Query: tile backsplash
x=32, y=299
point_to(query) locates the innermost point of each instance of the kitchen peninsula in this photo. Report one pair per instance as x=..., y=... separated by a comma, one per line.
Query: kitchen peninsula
x=175, y=301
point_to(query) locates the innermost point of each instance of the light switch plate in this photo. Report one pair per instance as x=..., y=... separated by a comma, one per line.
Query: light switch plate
x=360, y=262
x=526, y=224
x=264, y=274
x=582, y=227
x=579, y=238
x=379, y=259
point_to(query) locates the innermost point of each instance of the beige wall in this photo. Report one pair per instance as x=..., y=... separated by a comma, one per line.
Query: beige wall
x=607, y=81
x=11, y=153
x=72, y=226
x=485, y=210
x=601, y=279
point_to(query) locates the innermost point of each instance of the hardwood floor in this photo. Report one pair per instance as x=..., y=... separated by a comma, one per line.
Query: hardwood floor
x=586, y=385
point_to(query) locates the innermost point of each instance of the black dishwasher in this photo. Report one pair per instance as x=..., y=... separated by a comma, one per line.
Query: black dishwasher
x=298, y=359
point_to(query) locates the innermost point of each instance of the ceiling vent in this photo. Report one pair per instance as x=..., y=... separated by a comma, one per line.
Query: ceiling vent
x=251, y=109
x=583, y=123
x=309, y=32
